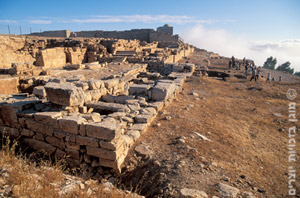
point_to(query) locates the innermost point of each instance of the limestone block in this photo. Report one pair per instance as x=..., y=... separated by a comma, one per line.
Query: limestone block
x=71, y=124
x=39, y=91
x=139, y=89
x=110, y=83
x=87, y=141
x=106, y=130
x=9, y=85
x=141, y=127
x=26, y=132
x=158, y=106
x=64, y=94
x=144, y=118
x=8, y=131
x=134, y=134
x=112, y=107
x=72, y=153
x=95, y=84
x=113, y=145
x=162, y=90
x=36, y=126
x=104, y=153
x=95, y=117
x=59, y=153
x=39, y=145
x=96, y=94
x=48, y=118
x=54, y=141
x=10, y=111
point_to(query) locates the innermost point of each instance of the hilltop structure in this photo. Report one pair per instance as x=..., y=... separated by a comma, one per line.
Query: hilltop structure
x=162, y=34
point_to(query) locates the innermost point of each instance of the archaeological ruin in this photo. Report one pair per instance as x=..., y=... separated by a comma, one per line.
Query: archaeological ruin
x=88, y=96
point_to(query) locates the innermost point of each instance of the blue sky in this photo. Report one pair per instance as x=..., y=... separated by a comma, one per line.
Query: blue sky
x=259, y=24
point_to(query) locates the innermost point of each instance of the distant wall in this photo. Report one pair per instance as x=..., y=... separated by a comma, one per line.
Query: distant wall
x=139, y=34
x=155, y=36
x=166, y=29
x=58, y=33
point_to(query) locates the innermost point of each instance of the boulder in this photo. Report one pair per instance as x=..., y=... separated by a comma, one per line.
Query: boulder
x=64, y=94
x=227, y=191
x=162, y=90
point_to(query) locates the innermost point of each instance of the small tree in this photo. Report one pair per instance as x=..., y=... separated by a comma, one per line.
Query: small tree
x=285, y=67
x=297, y=73
x=270, y=63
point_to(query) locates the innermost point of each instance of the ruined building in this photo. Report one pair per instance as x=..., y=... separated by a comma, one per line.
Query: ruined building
x=87, y=99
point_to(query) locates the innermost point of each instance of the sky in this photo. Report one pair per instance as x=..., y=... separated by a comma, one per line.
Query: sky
x=254, y=29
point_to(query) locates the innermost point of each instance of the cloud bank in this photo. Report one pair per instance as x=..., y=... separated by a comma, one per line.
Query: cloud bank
x=175, y=19
x=222, y=42
x=40, y=22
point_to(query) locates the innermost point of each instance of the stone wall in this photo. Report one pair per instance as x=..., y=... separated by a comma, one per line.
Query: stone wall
x=156, y=36
x=97, y=121
x=10, y=51
x=51, y=58
x=139, y=34
x=9, y=85
x=55, y=33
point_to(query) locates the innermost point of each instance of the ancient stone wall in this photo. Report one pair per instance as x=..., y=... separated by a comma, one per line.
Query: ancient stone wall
x=57, y=33
x=156, y=36
x=51, y=58
x=139, y=34
x=10, y=51
x=94, y=122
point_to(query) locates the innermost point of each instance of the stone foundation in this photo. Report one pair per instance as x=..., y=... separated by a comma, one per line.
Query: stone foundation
x=94, y=122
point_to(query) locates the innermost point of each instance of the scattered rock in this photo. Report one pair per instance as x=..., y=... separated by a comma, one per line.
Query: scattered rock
x=202, y=137
x=278, y=115
x=143, y=150
x=168, y=117
x=193, y=193
x=248, y=195
x=227, y=191
x=194, y=94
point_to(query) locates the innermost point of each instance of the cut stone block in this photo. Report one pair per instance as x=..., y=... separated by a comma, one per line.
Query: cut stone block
x=110, y=83
x=112, y=145
x=139, y=127
x=111, y=107
x=162, y=90
x=87, y=141
x=48, y=117
x=71, y=124
x=39, y=145
x=105, y=130
x=39, y=91
x=64, y=94
x=8, y=131
x=139, y=89
x=104, y=153
x=72, y=153
x=54, y=141
x=9, y=85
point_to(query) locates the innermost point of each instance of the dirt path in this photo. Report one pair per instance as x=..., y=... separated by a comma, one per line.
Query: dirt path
x=248, y=129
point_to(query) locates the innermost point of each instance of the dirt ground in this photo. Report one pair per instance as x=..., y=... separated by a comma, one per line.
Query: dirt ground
x=247, y=127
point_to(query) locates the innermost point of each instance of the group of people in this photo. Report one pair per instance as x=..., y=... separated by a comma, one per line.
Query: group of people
x=249, y=67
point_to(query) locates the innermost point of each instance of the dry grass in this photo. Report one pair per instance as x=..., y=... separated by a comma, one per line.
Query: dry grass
x=20, y=177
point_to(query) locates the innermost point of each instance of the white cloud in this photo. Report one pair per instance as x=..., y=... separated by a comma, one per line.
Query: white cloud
x=8, y=21
x=222, y=42
x=175, y=19
x=40, y=22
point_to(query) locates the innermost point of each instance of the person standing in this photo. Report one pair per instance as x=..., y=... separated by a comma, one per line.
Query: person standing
x=253, y=74
x=268, y=77
x=246, y=70
x=233, y=61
